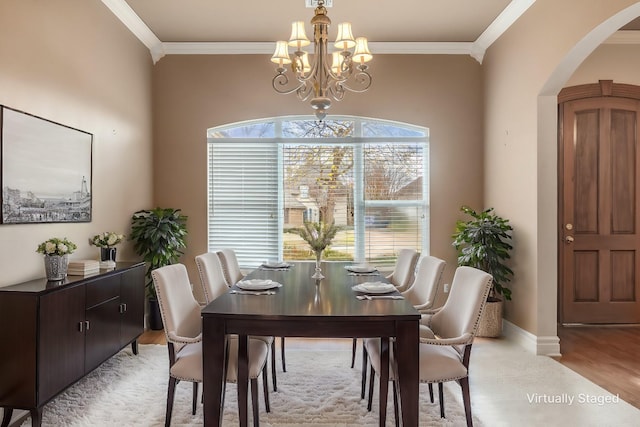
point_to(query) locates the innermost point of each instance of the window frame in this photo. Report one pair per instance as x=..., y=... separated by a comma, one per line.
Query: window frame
x=358, y=141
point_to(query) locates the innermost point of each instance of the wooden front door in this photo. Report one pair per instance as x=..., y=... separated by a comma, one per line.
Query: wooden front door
x=599, y=160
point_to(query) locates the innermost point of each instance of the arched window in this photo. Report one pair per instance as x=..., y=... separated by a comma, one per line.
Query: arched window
x=369, y=176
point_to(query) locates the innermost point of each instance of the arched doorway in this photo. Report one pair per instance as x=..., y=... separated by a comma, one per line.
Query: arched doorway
x=548, y=233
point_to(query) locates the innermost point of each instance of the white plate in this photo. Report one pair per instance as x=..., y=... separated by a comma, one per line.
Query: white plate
x=374, y=287
x=361, y=268
x=257, y=284
x=276, y=265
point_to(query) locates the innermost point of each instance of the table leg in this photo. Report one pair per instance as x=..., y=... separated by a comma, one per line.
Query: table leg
x=407, y=358
x=243, y=379
x=213, y=375
x=384, y=380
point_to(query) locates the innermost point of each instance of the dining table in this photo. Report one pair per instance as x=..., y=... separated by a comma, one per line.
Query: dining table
x=300, y=306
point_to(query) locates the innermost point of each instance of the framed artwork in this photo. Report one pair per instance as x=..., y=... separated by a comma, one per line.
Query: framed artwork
x=46, y=170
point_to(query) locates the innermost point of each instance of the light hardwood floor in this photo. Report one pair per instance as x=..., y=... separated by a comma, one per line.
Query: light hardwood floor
x=606, y=355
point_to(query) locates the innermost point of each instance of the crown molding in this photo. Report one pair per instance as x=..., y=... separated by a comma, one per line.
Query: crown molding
x=132, y=21
x=252, y=48
x=507, y=17
x=159, y=49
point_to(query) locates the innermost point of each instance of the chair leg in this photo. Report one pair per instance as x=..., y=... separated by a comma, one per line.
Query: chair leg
x=372, y=380
x=170, y=393
x=431, y=392
x=441, y=399
x=254, y=401
x=466, y=398
x=365, y=360
x=265, y=388
x=194, y=404
x=353, y=351
x=8, y=412
x=396, y=409
x=284, y=365
x=273, y=365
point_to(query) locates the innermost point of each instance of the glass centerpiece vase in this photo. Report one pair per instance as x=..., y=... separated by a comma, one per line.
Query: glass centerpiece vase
x=318, y=273
x=318, y=236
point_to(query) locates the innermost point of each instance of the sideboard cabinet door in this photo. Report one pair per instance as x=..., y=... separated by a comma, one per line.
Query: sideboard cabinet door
x=132, y=304
x=61, y=341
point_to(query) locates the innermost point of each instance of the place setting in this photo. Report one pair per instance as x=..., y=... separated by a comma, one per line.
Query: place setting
x=256, y=287
x=361, y=270
x=275, y=266
x=375, y=290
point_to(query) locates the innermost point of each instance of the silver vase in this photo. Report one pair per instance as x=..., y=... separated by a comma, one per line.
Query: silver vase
x=56, y=266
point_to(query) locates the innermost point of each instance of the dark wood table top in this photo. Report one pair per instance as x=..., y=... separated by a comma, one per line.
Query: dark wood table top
x=305, y=298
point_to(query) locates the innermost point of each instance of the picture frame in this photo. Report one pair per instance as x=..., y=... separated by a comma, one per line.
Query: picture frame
x=46, y=170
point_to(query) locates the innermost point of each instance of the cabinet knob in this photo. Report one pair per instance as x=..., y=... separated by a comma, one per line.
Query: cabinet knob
x=81, y=326
x=86, y=325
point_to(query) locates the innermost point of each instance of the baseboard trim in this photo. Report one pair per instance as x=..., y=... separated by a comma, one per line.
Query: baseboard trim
x=540, y=345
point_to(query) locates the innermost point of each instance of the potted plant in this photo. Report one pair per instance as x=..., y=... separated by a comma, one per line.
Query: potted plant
x=159, y=236
x=483, y=242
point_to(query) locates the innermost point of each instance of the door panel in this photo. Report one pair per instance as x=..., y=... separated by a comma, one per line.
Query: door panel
x=599, y=210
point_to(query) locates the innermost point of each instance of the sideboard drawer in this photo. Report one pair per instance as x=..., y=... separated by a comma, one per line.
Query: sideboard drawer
x=102, y=290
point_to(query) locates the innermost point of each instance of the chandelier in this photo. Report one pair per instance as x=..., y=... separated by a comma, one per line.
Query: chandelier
x=325, y=75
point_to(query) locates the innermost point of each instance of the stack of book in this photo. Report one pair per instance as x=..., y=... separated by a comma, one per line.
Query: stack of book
x=83, y=267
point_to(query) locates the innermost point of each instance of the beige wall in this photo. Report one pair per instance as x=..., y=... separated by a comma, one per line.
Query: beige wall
x=193, y=93
x=619, y=63
x=524, y=70
x=74, y=63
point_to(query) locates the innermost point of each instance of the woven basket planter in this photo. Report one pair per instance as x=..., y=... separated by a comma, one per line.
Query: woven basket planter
x=491, y=321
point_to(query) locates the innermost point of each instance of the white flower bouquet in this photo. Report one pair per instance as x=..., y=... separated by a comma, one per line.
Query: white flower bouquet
x=56, y=246
x=106, y=239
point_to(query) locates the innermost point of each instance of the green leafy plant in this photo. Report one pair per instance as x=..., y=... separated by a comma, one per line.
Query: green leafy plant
x=318, y=235
x=483, y=242
x=159, y=235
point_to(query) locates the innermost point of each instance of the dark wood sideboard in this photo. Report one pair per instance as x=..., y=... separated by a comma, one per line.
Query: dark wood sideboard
x=54, y=333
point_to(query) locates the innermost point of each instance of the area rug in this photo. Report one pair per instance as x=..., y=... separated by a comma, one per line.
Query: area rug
x=319, y=389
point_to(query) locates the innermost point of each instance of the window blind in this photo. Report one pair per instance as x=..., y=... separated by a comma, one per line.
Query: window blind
x=243, y=200
x=369, y=177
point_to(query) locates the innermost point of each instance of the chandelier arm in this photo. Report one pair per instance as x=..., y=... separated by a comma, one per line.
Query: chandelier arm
x=281, y=82
x=360, y=77
x=304, y=91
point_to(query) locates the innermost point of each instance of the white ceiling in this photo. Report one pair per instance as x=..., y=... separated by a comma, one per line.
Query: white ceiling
x=465, y=27
x=266, y=21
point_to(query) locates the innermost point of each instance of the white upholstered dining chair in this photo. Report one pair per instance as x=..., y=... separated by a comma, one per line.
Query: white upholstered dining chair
x=421, y=294
x=230, y=266
x=403, y=272
x=446, y=337
x=233, y=274
x=214, y=285
x=183, y=330
x=401, y=277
